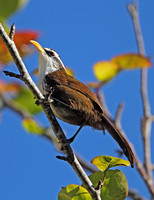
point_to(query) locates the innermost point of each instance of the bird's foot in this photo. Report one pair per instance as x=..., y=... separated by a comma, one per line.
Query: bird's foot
x=41, y=101
x=70, y=140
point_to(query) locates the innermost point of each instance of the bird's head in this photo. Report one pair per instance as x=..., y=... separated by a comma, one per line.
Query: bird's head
x=49, y=60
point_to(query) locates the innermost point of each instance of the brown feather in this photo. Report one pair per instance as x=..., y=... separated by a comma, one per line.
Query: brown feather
x=81, y=107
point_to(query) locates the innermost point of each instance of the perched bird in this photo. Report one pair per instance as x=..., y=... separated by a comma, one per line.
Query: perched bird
x=72, y=101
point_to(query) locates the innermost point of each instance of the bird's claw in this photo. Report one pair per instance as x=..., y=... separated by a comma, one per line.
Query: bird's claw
x=40, y=101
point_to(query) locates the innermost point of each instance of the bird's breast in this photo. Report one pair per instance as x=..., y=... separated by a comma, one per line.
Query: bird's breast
x=67, y=114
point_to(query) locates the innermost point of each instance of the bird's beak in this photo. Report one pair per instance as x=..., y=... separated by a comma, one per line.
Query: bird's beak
x=37, y=45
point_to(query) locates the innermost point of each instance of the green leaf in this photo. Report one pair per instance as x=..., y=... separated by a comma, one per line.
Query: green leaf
x=7, y=7
x=4, y=24
x=105, y=162
x=32, y=126
x=74, y=192
x=115, y=185
x=25, y=100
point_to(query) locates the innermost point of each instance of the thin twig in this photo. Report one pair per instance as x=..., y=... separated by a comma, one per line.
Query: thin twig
x=10, y=104
x=86, y=165
x=12, y=31
x=11, y=74
x=54, y=124
x=146, y=122
x=134, y=195
x=101, y=98
x=23, y=114
x=118, y=115
x=152, y=118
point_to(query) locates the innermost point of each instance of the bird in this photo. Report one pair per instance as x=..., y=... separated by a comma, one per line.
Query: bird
x=72, y=101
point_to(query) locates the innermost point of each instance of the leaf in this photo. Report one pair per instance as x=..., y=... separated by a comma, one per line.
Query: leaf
x=74, y=192
x=4, y=23
x=131, y=61
x=32, y=126
x=105, y=162
x=8, y=7
x=115, y=185
x=11, y=87
x=21, y=40
x=25, y=100
x=105, y=70
x=69, y=71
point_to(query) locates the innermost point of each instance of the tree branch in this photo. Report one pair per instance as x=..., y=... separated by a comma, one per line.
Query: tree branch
x=101, y=98
x=11, y=74
x=54, y=124
x=146, y=121
x=12, y=31
x=47, y=133
x=8, y=103
x=118, y=115
x=134, y=195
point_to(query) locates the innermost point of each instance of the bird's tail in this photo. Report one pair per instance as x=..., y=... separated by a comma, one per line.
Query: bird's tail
x=121, y=140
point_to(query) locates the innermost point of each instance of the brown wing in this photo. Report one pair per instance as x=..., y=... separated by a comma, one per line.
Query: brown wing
x=62, y=78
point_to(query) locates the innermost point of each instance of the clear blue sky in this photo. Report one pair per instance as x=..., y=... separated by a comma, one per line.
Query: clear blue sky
x=82, y=32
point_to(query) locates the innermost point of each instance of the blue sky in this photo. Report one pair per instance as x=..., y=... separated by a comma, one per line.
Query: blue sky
x=82, y=32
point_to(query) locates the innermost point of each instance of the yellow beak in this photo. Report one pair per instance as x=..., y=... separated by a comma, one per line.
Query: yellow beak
x=37, y=45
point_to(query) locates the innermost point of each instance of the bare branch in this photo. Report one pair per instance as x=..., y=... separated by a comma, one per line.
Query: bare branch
x=54, y=124
x=86, y=165
x=23, y=114
x=8, y=103
x=146, y=122
x=152, y=118
x=12, y=31
x=100, y=185
x=143, y=174
x=134, y=195
x=101, y=99
x=11, y=74
x=118, y=115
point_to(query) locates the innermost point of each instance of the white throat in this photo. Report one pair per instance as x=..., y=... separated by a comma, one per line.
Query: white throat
x=47, y=65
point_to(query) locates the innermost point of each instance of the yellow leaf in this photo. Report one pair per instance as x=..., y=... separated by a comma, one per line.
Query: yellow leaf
x=106, y=162
x=32, y=126
x=69, y=71
x=131, y=61
x=74, y=192
x=105, y=70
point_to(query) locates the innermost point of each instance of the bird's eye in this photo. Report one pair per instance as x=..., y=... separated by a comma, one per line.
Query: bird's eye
x=50, y=53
